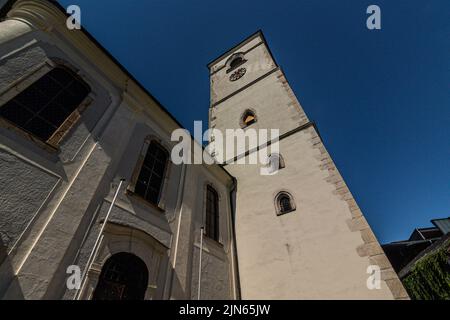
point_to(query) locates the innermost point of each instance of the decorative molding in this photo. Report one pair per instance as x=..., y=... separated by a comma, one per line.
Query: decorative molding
x=237, y=55
x=137, y=242
x=47, y=17
x=268, y=73
x=277, y=202
x=268, y=143
x=130, y=190
x=42, y=15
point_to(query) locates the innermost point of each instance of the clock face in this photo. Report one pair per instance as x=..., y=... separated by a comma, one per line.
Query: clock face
x=237, y=74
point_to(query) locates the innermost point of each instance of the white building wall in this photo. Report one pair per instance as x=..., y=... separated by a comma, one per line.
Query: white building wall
x=56, y=201
x=309, y=253
x=322, y=249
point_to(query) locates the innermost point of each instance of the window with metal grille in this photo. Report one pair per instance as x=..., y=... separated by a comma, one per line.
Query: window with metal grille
x=284, y=203
x=123, y=277
x=212, y=214
x=42, y=107
x=150, y=180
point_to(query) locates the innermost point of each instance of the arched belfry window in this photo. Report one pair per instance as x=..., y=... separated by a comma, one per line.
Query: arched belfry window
x=124, y=276
x=248, y=118
x=276, y=162
x=284, y=203
x=235, y=61
x=151, y=176
x=44, y=106
x=212, y=213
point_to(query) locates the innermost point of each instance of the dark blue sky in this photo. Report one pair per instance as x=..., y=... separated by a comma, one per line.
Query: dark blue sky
x=381, y=99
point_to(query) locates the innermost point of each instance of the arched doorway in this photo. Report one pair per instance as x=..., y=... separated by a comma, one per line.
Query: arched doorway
x=124, y=276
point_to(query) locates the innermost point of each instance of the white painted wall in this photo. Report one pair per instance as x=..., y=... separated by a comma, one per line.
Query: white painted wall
x=310, y=253
x=54, y=222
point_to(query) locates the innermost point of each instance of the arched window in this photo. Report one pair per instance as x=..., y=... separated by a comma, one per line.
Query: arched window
x=43, y=107
x=124, y=276
x=212, y=213
x=276, y=162
x=150, y=180
x=284, y=203
x=235, y=61
x=248, y=118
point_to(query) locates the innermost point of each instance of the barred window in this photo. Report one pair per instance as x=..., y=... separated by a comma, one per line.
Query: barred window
x=284, y=203
x=124, y=276
x=43, y=107
x=212, y=213
x=150, y=180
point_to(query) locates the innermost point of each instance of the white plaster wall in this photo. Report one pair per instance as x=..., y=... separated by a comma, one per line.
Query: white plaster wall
x=269, y=98
x=258, y=63
x=89, y=173
x=263, y=90
x=309, y=253
x=43, y=181
x=217, y=269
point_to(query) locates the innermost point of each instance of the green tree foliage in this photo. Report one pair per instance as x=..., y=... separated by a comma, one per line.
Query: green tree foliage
x=429, y=279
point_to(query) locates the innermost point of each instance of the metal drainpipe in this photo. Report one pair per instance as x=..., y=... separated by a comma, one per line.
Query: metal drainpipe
x=238, y=280
x=200, y=264
x=179, y=211
x=97, y=242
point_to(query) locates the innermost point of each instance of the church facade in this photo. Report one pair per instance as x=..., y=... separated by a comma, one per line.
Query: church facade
x=88, y=190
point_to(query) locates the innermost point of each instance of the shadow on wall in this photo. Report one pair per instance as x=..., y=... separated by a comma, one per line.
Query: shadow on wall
x=29, y=161
x=176, y=289
x=101, y=122
x=6, y=269
x=3, y=253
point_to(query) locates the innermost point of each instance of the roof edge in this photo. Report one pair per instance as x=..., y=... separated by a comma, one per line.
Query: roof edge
x=237, y=46
x=10, y=3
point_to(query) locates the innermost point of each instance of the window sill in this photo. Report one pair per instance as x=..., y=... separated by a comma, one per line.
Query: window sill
x=236, y=66
x=141, y=200
x=212, y=241
x=4, y=123
x=248, y=125
x=52, y=143
x=285, y=212
x=213, y=247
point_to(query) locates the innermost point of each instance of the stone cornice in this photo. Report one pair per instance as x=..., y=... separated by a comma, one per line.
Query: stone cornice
x=47, y=17
x=42, y=15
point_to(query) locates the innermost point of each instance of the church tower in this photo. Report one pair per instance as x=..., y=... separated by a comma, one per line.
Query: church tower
x=299, y=232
